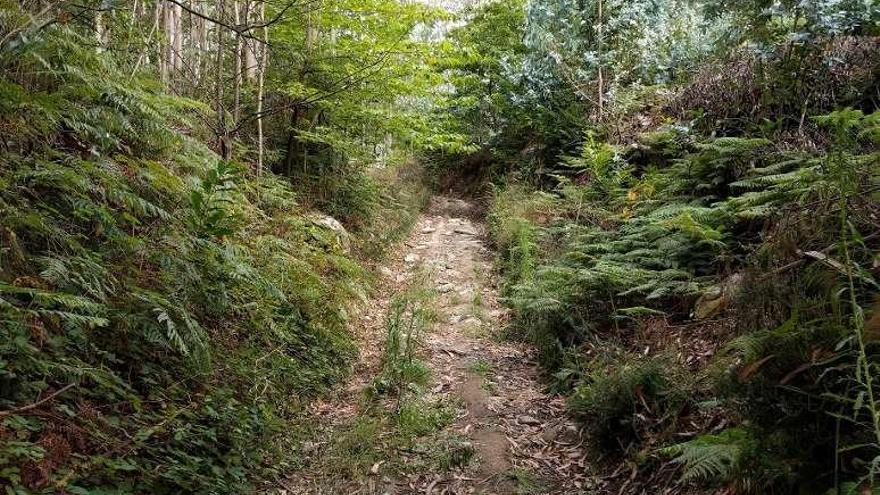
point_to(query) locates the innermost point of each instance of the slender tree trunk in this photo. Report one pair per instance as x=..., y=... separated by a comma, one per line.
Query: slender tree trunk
x=263, y=63
x=601, y=91
x=178, y=37
x=163, y=10
x=99, y=30
x=315, y=120
x=202, y=38
x=222, y=132
x=312, y=32
x=250, y=46
x=236, y=105
x=145, y=54
x=195, y=36
x=291, y=141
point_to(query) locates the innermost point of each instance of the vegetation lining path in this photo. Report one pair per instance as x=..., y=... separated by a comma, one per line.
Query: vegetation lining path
x=519, y=437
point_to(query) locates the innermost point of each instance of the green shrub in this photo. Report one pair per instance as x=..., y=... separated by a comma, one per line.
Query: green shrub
x=417, y=418
x=774, y=237
x=403, y=196
x=409, y=317
x=176, y=311
x=737, y=457
x=514, y=219
x=626, y=400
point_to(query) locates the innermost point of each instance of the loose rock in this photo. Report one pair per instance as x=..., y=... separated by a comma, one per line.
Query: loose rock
x=527, y=420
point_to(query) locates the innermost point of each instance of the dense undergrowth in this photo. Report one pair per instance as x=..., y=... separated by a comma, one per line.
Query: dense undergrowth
x=164, y=313
x=720, y=289
x=693, y=250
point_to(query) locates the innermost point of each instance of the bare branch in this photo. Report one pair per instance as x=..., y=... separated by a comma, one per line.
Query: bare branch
x=37, y=403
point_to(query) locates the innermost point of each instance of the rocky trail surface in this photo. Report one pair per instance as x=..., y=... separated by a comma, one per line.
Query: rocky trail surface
x=519, y=437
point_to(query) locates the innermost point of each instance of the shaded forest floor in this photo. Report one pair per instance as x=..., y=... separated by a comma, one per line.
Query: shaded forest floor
x=478, y=423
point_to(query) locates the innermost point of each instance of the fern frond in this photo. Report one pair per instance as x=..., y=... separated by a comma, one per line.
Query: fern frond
x=712, y=457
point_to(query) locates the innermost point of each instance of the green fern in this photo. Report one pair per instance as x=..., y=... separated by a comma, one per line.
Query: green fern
x=211, y=203
x=718, y=458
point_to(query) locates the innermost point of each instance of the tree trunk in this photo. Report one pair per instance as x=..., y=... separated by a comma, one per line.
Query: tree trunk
x=222, y=131
x=311, y=33
x=291, y=141
x=250, y=46
x=164, y=9
x=178, y=37
x=202, y=27
x=601, y=91
x=144, y=56
x=99, y=30
x=236, y=84
x=195, y=37
x=264, y=58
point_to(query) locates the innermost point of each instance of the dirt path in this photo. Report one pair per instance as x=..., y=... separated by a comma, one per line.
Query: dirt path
x=519, y=436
